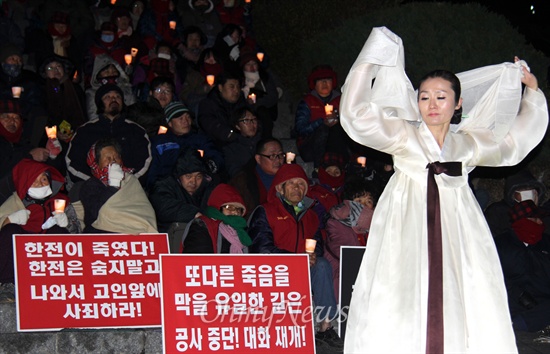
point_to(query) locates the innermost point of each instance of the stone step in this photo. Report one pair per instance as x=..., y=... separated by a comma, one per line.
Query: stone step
x=67, y=341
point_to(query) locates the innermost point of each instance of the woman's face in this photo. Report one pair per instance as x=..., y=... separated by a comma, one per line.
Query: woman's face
x=41, y=181
x=55, y=70
x=437, y=102
x=109, y=71
x=251, y=66
x=109, y=155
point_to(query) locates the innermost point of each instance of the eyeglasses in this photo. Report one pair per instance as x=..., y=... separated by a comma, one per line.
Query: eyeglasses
x=163, y=91
x=248, y=121
x=274, y=157
x=54, y=67
x=232, y=208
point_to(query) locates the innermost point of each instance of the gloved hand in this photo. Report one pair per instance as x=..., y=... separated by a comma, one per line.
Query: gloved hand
x=20, y=217
x=60, y=218
x=54, y=147
x=49, y=223
x=116, y=175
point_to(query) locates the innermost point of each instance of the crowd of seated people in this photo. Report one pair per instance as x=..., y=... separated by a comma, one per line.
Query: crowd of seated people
x=165, y=113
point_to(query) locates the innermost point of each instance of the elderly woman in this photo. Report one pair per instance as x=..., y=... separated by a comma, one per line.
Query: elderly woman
x=31, y=209
x=222, y=229
x=113, y=198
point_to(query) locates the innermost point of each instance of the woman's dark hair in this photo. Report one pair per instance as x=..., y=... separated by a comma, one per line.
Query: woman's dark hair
x=356, y=187
x=455, y=86
x=238, y=114
x=106, y=142
x=163, y=80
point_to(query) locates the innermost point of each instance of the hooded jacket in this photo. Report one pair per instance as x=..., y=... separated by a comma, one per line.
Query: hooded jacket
x=274, y=226
x=123, y=81
x=24, y=174
x=172, y=203
x=203, y=235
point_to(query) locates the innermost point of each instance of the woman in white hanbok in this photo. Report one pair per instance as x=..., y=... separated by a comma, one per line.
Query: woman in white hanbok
x=430, y=280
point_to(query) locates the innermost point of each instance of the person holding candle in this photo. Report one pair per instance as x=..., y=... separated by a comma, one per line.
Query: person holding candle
x=260, y=82
x=150, y=113
x=428, y=231
x=113, y=200
x=31, y=209
x=282, y=225
x=215, y=110
x=31, y=99
x=240, y=152
x=318, y=132
x=181, y=134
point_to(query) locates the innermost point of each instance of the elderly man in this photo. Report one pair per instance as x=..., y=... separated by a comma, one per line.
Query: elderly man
x=181, y=134
x=282, y=225
x=255, y=178
x=183, y=195
x=13, y=147
x=111, y=122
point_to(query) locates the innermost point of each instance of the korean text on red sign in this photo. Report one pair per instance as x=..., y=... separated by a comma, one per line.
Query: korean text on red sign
x=88, y=281
x=236, y=303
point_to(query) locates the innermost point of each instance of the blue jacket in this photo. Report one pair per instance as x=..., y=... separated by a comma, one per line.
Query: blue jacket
x=167, y=147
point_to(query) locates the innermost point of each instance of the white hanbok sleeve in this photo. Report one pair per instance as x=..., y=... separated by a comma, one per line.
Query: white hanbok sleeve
x=374, y=113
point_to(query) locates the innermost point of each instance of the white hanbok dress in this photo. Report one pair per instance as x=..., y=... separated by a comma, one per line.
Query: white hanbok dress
x=389, y=303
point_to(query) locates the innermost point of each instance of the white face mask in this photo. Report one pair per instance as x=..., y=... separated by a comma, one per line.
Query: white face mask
x=527, y=195
x=164, y=56
x=40, y=192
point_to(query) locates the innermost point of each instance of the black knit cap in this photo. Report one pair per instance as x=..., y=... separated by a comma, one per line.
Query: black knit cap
x=104, y=89
x=189, y=161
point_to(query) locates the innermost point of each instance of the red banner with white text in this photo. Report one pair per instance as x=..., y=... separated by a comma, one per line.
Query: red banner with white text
x=236, y=303
x=88, y=280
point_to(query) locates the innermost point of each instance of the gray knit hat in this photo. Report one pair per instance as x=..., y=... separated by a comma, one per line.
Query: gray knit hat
x=174, y=110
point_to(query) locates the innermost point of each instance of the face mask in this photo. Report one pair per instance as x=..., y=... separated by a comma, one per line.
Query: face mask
x=109, y=80
x=12, y=70
x=164, y=56
x=107, y=38
x=40, y=192
x=527, y=195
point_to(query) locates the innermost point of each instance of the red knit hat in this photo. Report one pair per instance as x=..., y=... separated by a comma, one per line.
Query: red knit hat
x=322, y=72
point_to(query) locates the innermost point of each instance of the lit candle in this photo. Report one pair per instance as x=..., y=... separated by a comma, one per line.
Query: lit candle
x=59, y=205
x=162, y=130
x=310, y=245
x=201, y=152
x=51, y=132
x=248, y=1
x=290, y=157
x=362, y=160
x=113, y=2
x=75, y=76
x=252, y=97
x=328, y=109
x=134, y=51
x=16, y=91
x=260, y=56
x=128, y=59
x=210, y=79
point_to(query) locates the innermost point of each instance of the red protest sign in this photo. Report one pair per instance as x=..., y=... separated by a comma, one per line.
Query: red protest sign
x=88, y=280
x=241, y=303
